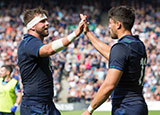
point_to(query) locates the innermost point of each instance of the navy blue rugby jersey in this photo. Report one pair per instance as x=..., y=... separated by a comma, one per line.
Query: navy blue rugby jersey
x=35, y=71
x=129, y=56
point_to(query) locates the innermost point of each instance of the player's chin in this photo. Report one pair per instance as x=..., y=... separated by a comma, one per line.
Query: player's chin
x=45, y=34
x=113, y=36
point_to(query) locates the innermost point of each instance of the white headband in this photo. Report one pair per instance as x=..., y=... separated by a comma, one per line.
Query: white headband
x=35, y=20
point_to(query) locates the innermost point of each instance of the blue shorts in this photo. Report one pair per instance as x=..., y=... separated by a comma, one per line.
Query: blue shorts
x=135, y=108
x=39, y=109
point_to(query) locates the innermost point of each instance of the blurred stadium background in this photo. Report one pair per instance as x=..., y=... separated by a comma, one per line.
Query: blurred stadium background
x=79, y=70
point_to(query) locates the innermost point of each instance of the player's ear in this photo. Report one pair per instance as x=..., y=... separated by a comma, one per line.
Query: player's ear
x=33, y=28
x=118, y=24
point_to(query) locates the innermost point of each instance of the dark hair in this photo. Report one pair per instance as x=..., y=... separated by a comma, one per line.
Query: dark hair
x=29, y=14
x=8, y=68
x=124, y=14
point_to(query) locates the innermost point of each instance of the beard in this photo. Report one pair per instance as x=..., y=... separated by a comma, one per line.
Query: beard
x=113, y=34
x=44, y=32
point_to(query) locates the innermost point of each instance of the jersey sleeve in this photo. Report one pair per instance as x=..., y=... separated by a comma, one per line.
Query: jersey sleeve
x=32, y=47
x=118, y=56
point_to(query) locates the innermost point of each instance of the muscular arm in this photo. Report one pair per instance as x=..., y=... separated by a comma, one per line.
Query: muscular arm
x=106, y=88
x=47, y=50
x=103, y=48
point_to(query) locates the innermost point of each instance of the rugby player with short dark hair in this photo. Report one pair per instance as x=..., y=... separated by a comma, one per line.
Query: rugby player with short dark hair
x=127, y=61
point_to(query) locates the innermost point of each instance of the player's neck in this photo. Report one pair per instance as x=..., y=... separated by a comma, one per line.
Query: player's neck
x=123, y=33
x=33, y=33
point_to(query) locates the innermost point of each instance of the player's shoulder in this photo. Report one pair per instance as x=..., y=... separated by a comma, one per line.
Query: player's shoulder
x=119, y=46
x=26, y=39
x=30, y=39
x=128, y=39
x=119, y=49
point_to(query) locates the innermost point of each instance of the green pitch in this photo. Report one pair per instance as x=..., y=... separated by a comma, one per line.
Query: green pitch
x=80, y=112
x=96, y=113
x=101, y=113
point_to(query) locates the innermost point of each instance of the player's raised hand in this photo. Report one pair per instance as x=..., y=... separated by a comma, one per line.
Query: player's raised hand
x=79, y=29
x=83, y=19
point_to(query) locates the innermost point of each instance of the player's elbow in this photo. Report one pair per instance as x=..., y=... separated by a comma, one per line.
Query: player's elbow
x=50, y=52
x=109, y=88
x=46, y=53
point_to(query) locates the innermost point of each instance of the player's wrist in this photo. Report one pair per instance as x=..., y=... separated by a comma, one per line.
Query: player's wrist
x=85, y=31
x=16, y=104
x=57, y=45
x=71, y=36
x=90, y=109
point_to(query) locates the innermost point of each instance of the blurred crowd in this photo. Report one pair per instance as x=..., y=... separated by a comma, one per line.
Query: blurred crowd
x=80, y=64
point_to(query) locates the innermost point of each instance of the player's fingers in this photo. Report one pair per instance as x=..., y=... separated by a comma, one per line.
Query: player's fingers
x=83, y=17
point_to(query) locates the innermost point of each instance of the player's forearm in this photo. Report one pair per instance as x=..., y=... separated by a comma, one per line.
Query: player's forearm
x=103, y=48
x=57, y=45
x=19, y=98
x=61, y=43
x=101, y=96
x=110, y=82
x=78, y=30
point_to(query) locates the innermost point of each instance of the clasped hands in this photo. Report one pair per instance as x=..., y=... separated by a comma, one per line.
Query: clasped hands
x=84, y=22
